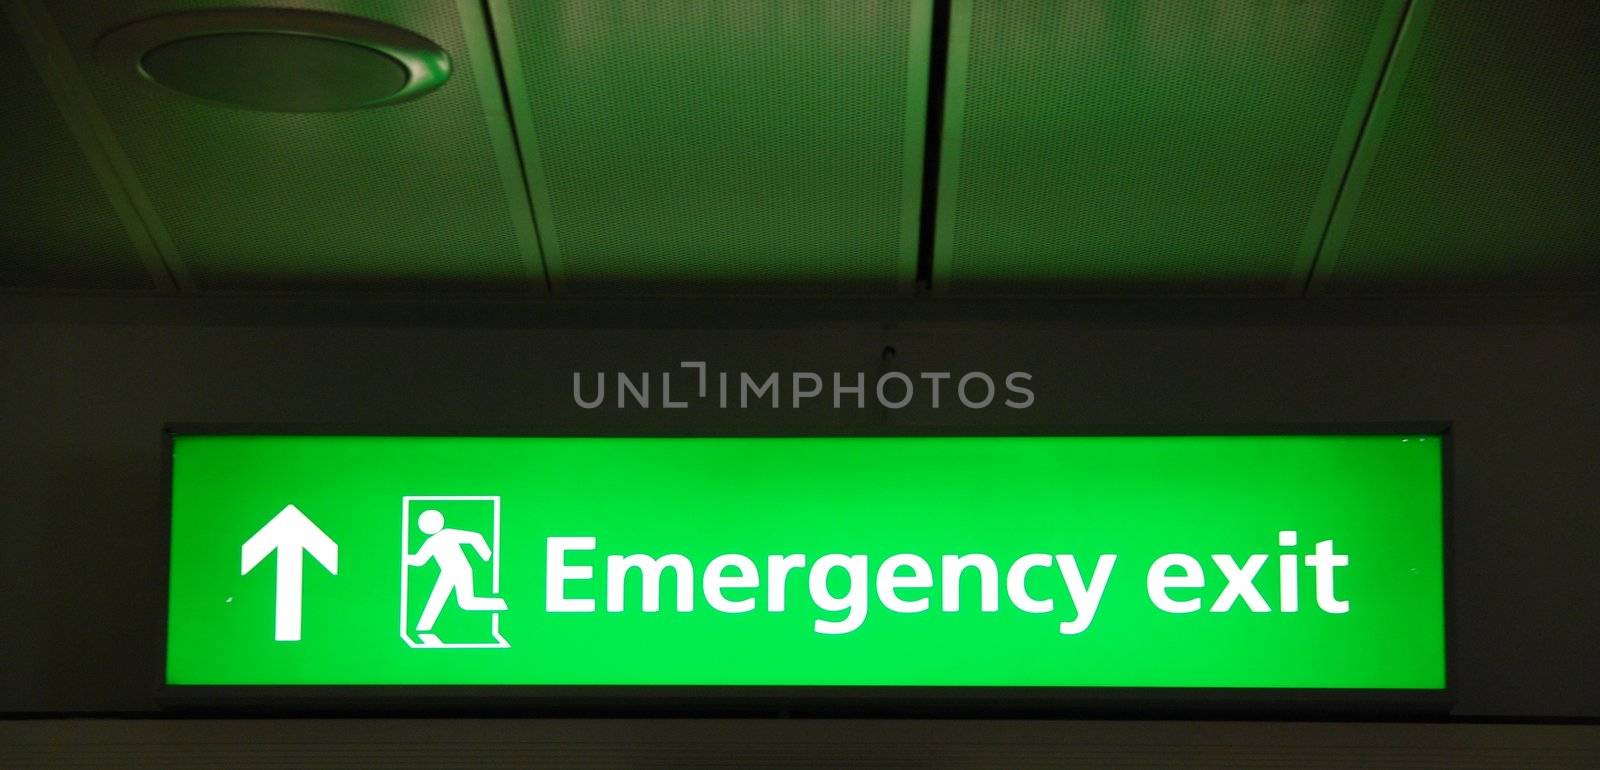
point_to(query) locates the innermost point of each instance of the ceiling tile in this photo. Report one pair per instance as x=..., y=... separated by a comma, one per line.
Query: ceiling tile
x=1481, y=169
x=703, y=147
x=60, y=229
x=417, y=195
x=1150, y=147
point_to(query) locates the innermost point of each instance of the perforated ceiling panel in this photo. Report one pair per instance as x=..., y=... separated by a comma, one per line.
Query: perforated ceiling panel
x=413, y=195
x=1148, y=146
x=744, y=145
x=58, y=229
x=1485, y=172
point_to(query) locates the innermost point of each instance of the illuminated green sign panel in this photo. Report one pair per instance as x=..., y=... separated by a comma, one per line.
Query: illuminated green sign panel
x=1098, y=561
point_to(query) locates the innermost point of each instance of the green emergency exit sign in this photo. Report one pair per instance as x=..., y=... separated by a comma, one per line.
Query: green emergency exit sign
x=1104, y=561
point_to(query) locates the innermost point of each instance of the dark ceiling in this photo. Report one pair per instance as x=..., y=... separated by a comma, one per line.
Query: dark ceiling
x=847, y=147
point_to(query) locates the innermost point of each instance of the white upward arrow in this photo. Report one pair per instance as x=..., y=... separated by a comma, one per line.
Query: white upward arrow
x=289, y=533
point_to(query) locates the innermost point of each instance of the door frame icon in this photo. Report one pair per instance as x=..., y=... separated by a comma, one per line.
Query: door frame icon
x=406, y=632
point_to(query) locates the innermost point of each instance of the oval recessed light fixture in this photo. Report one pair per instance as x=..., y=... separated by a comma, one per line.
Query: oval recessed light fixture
x=277, y=60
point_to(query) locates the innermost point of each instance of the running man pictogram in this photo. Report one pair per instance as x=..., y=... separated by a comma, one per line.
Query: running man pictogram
x=446, y=547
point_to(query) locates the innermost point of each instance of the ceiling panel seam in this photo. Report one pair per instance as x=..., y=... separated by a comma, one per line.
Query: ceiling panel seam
x=1366, y=149
x=477, y=25
x=1342, y=98
x=1386, y=37
x=932, y=133
x=926, y=51
x=498, y=19
x=957, y=44
x=55, y=64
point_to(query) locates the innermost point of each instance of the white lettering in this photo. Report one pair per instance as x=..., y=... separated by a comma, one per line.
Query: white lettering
x=988, y=580
x=1158, y=583
x=778, y=569
x=650, y=570
x=1017, y=584
x=1241, y=583
x=889, y=582
x=1323, y=561
x=854, y=601
x=557, y=573
x=1084, y=599
x=718, y=581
